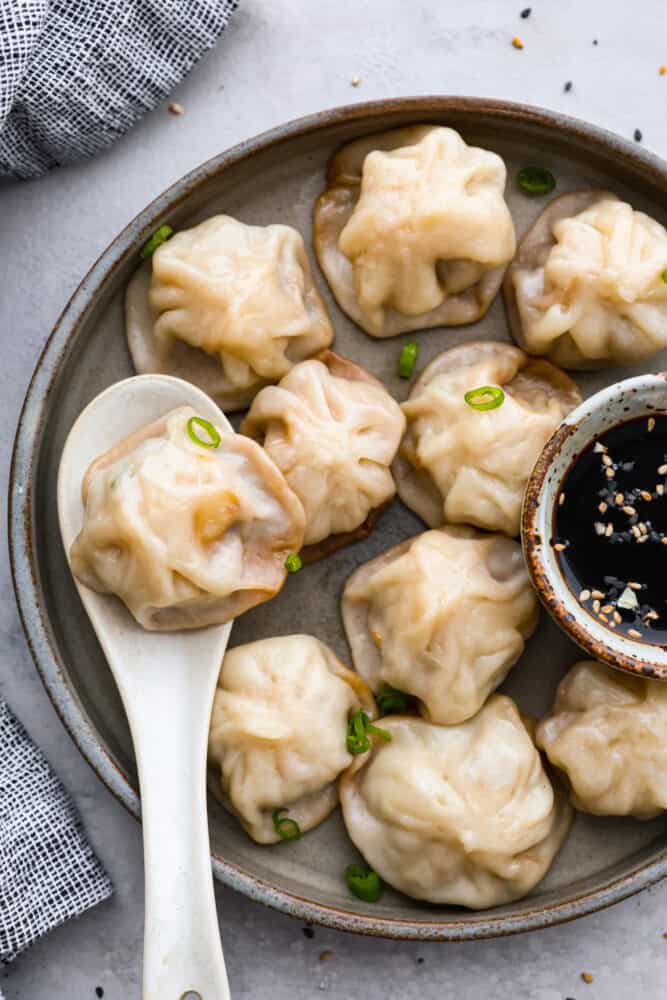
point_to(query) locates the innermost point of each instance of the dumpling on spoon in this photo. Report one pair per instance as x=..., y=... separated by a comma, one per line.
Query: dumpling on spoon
x=587, y=287
x=463, y=815
x=466, y=457
x=413, y=230
x=442, y=616
x=227, y=306
x=188, y=524
x=277, y=741
x=333, y=431
x=607, y=731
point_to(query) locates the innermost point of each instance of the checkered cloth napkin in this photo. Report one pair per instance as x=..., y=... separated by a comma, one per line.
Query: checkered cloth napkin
x=48, y=871
x=77, y=74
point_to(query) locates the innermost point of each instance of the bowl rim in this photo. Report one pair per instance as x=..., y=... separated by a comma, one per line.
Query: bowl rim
x=25, y=457
x=617, y=651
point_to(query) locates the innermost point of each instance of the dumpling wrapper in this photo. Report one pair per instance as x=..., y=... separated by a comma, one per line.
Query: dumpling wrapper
x=607, y=731
x=226, y=306
x=442, y=616
x=278, y=731
x=413, y=230
x=185, y=536
x=585, y=288
x=462, y=815
x=465, y=466
x=333, y=431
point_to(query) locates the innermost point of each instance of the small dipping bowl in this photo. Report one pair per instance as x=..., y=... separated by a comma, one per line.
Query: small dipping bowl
x=644, y=396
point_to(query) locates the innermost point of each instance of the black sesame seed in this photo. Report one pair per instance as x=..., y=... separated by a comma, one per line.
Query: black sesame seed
x=526, y=12
x=99, y=992
x=637, y=135
x=595, y=41
x=308, y=932
x=420, y=961
x=568, y=86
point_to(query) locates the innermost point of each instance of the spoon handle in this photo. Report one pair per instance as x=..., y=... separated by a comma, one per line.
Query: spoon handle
x=169, y=717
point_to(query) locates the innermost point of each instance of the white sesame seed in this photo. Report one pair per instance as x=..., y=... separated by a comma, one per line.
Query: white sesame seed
x=663, y=541
x=602, y=507
x=642, y=527
x=176, y=109
x=651, y=615
x=630, y=511
x=609, y=530
x=660, y=489
x=355, y=81
x=633, y=585
x=617, y=618
x=662, y=470
x=598, y=595
x=607, y=461
x=651, y=423
x=609, y=473
x=618, y=499
x=607, y=608
x=642, y=538
x=645, y=495
x=599, y=447
x=584, y=595
x=612, y=624
x=634, y=633
x=559, y=547
x=603, y=618
x=635, y=531
x=561, y=500
x=596, y=606
x=599, y=528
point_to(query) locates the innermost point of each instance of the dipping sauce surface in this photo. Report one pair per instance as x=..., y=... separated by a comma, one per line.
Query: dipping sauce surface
x=610, y=528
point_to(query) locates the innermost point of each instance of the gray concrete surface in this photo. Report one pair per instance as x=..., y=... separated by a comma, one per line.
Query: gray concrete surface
x=280, y=59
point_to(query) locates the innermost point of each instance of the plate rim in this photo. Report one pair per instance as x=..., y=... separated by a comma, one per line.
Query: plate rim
x=20, y=519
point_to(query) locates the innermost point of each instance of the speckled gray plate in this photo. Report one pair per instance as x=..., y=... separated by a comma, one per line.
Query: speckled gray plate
x=275, y=178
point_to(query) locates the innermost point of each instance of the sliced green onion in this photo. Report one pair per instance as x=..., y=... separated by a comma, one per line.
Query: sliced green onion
x=536, y=180
x=390, y=700
x=159, y=237
x=408, y=358
x=358, y=728
x=364, y=883
x=214, y=438
x=664, y=276
x=485, y=397
x=286, y=828
x=293, y=563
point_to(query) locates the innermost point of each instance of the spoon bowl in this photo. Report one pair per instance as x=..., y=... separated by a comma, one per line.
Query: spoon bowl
x=166, y=681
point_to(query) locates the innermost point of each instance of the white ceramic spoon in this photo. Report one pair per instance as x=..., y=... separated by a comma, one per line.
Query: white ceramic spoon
x=167, y=681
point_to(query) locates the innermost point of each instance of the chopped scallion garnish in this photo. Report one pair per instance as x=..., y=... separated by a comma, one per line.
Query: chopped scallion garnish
x=286, y=828
x=364, y=883
x=159, y=237
x=664, y=276
x=390, y=700
x=212, y=441
x=293, y=563
x=358, y=729
x=485, y=397
x=408, y=358
x=536, y=180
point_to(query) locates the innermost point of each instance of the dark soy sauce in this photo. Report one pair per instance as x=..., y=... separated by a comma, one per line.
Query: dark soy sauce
x=610, y=528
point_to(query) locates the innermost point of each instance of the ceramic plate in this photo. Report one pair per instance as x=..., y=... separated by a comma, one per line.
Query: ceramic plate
x=276, y=178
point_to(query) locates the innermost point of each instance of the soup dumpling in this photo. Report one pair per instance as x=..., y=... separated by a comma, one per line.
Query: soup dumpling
x=333, y=431
x=608, y=732
x=278, y=731
x=462, y=815
x=227, y=306
x=442, y=616
x=458, y=464
x=413, y=230
x=186, y=535
x=586, y=288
